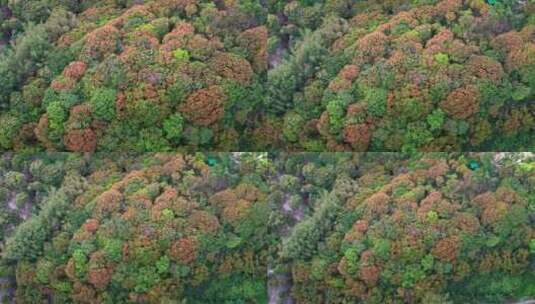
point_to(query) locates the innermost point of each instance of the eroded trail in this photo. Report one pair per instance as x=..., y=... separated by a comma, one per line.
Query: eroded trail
x=275, y=57
x=6, y=289
x=279, y=281
x=279, y=287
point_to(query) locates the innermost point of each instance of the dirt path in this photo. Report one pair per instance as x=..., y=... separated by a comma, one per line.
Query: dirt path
x=275, y=57
x=6, y=290
x=280, y=283
x=279, y=286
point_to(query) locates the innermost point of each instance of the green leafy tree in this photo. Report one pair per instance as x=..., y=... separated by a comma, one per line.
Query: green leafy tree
x=57, y=115
x=436, y=119
x=173, y=127
x=293, y=125
x=306, y=235
x=9, y=130
x=376, y=100
x=102, y=103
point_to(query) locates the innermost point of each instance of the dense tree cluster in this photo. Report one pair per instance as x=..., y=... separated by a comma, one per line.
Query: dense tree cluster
x=141, y=229
x=110, y=75
x=118, y=183
x=256, y=75
x=224, y=228
x=27, y=183
x=415, y=228
x=402, y=75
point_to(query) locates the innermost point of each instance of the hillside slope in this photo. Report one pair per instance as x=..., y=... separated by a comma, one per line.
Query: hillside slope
x=413, y=228
x=116, y=75
x=255, y=75
x=144, y=229
x=402, y=75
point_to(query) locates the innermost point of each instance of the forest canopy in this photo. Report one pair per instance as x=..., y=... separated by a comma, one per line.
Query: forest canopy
x=140, y=76
x=251, y=75
x=267, y=151
x=402, y=75
x=259, y=228
x=405, y=228
x=139, y=229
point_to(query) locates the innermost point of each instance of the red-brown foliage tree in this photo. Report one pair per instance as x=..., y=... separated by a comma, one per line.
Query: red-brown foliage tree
x=204, y=107
x=462, y=103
